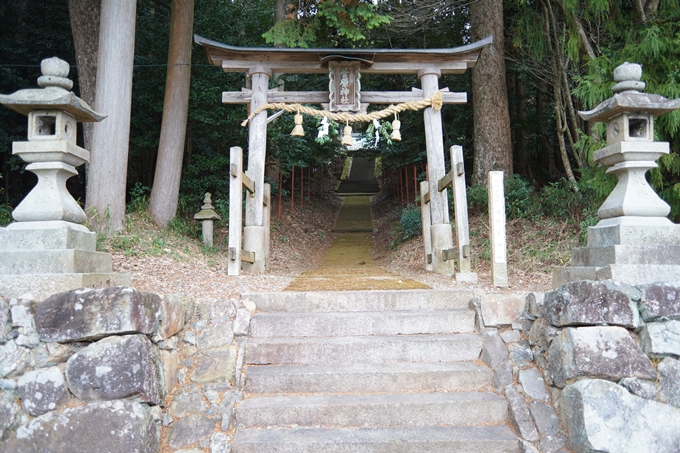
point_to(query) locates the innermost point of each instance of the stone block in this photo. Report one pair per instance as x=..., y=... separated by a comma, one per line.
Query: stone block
x=606, y=352
x=111, y=427
x=68, y=261
x=602, y=416
x=242, y=322
x=10, y=413
x=170, y=361
x=41, y=286
x=22, y=315
x=5, y=321
x=502, y=375
x=216, y=335
x=520, y=353
x=634, y=231
x=669, y=381
x=626, y=255
x=174, y=312
x=187, y=402
x=593, y=303
x=660, y=339
x=49, y=235
x=215, y=365
x=226, y=409
x=494, y=351
x=660, y=300
x=13, y=359
x=519, y=415
x=219, y=443
x=553, y=443
x=91, y=314
x=567, y=274
x=189, y=430
x=501, y=309
x=42, y=390
x=639, y=274
x=638, y=387
x=124, y=367
x=533, y=305
x=544, y=417
x=527, y=447
x=510, y=336
x=533, y=384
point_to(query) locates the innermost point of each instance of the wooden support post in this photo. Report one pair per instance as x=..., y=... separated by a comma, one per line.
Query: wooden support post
x=235, y=210
x=267, y=220
x=499, y=263
x=425, y=214
x=461, y=217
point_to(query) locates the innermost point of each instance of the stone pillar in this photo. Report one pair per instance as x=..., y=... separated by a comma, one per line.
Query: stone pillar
x=253, y=238
x=499, y=260
x=442, y=234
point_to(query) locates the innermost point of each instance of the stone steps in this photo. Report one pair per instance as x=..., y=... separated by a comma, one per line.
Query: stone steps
x=372, y=349
x=386, y=410
x=468, y=439
x=340, y=324
x=368, y=378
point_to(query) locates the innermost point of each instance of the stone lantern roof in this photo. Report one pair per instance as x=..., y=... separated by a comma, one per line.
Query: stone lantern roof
x=629, y=98
x=53, y=94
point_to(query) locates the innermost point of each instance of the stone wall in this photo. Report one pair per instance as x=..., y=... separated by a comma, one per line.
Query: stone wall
x=609, y=352
x=118, y=370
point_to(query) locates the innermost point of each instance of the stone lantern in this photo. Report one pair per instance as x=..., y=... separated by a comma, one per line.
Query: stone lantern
x=49, y=249
x=634, y=242
x=207, y=216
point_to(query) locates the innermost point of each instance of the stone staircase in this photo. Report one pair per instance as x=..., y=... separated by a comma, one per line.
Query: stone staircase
x=368, y=371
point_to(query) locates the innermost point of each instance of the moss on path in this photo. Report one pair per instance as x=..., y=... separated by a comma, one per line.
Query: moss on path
x=349, y=263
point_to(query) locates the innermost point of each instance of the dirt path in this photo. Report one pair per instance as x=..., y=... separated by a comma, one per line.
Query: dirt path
x=349, y=263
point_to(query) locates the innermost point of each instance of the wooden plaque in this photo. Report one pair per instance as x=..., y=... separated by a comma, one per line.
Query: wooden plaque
x=344, y=86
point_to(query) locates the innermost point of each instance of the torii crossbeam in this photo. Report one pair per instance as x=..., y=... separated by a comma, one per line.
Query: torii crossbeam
x=428, y=64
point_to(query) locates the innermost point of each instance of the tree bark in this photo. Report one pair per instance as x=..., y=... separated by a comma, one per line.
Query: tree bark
x=492, y=142
x=165, y=191
x=106, y=180
x=84, y=15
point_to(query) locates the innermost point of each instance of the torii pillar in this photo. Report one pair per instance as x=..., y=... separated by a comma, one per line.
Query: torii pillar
x=255, y=231
x=441, y=232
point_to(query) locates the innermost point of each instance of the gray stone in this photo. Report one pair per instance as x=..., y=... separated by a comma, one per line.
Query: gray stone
x=602, y=416
x=501, y=309
x=8, y=384
x=173, y=315
x=5, y=320
x=187, y=402
x=502, y=375
x=510, y=336
x=242, y=322
x=167, y=420
x=111, y=427
x=10, y=413
x=28, y=338
x=22, y=316
x=13, y=359
x=660, y=300
x=661, y=339
x=533, y=385
x=638, y=387
x=169, y=344
x=544, y=417
x=606, y=352
x=190, y=337
x=42, y=390
x=669, y=377
x=219, y=443
x=527, y=447
x=59, y=353
x=216, y=335
x=170, y=361
x=520, y=353
x=494, y=350
x=90, y=314
x=589, y=302
x=215, y=365
x=519, y=415
x=534, y=305
x=226, y=409
x=190, y=430
x=553, y=443
x=116, y=368
x=541, y=334
x=212, y=396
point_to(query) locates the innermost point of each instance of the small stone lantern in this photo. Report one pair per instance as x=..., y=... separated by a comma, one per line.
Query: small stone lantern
x=207, y=216
x=49, y=249
x=634, y=242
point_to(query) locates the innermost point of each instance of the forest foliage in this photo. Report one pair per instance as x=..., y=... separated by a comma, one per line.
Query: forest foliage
x=560, y=55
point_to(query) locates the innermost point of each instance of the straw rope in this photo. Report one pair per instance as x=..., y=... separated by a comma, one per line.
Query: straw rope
x=345, y=117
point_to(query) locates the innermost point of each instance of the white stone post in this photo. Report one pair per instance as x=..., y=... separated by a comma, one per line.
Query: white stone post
x=499, y=263
x=254, y=234
x=464, y=273
x=427, y=234
x=442, y=234
x=235, y=210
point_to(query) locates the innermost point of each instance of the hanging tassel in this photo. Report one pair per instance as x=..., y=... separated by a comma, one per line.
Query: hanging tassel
x=347, y=138
x=396, y=134
x=298, y=131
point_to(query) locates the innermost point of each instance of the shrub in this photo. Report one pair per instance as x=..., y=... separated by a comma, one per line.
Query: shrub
x=410, y=223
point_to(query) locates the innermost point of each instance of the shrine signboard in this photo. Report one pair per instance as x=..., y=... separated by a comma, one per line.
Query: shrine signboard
x=344, y=86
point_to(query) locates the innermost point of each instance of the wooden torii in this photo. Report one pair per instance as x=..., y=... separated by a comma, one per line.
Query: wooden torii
x=260, y=63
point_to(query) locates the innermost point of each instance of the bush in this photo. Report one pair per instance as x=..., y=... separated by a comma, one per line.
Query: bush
x=410, y=223
x=519, y=202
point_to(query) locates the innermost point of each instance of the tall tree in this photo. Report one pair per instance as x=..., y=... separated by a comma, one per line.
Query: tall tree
x=106, y=180
x=165, y=191
x=84, y=16
x=492, y=136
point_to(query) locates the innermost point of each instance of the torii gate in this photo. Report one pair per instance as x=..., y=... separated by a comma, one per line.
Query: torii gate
x=260, y=63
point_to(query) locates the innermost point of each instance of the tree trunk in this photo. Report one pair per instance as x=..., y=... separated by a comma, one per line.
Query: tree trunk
x=165, y=191
x=106, y=180
x=492, y=143
x=84, y=15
